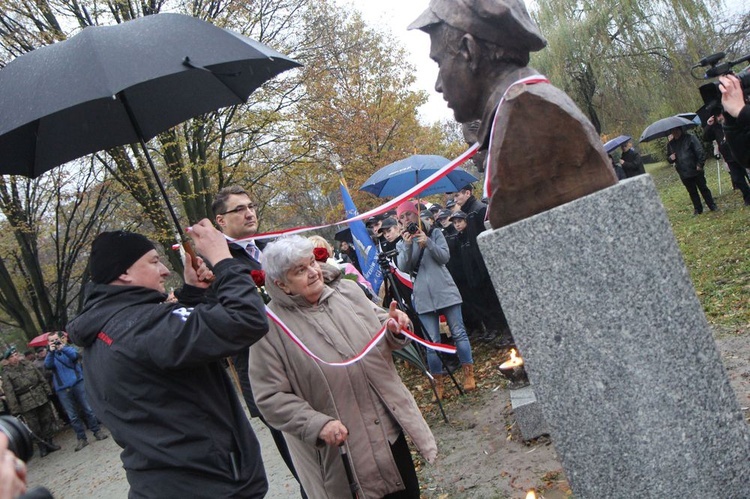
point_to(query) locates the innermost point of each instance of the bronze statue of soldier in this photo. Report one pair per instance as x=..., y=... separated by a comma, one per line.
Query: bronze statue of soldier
x=542, y=152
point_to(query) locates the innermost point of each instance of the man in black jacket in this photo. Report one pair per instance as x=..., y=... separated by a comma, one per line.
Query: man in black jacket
x=736, y=118
x=684, y=150
x=154, y=373
x=631, y=161
x=487, y=309
x=476, y=288
x=715, y=132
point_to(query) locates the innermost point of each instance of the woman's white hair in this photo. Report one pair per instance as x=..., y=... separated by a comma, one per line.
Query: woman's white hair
x=281, y=255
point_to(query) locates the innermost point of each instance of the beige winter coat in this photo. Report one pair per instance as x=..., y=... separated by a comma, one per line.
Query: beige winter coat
x=299, y=395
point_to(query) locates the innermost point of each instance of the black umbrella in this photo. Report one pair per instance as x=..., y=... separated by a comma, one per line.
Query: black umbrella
x=662, y=127
x=344, y=235
x=115, y=85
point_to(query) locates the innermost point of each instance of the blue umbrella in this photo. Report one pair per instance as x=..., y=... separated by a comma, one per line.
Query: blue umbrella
x=397, y=178
x=613, y=144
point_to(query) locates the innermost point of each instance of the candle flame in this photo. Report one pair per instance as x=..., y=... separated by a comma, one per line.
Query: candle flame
x=514, y=361
x=531, y=494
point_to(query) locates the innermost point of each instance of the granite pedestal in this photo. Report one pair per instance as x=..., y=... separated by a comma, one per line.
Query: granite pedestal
x=618, y=349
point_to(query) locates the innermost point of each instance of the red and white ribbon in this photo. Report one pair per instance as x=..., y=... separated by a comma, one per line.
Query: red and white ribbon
x=403, y=277
x=529, y=80
x=370, y=344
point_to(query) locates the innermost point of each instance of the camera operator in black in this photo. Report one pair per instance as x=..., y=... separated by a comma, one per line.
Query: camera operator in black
x=391, y=233
x=736, y=118
x=715, y=131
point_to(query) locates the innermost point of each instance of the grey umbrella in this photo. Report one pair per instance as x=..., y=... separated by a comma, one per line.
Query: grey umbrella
x=662, y=127
x=613, y=144
x=115, y=85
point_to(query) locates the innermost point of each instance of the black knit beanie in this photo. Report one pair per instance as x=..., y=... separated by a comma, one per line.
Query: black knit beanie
x=112, y=253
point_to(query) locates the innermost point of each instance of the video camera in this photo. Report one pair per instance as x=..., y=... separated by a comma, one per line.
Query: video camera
x=710, y=91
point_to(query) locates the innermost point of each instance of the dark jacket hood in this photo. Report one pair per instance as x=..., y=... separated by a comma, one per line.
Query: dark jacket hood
x=99, y=308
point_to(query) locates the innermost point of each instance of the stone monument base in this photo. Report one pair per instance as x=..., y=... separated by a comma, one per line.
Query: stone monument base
x=618, y=349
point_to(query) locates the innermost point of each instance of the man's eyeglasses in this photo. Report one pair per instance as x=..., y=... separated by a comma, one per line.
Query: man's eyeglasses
x=240, y=209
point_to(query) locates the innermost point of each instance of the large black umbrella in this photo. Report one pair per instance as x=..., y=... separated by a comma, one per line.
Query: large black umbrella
x=664, y=126
x=115, y=85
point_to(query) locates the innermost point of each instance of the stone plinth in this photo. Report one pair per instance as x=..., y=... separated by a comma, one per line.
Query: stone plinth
x=618, y=349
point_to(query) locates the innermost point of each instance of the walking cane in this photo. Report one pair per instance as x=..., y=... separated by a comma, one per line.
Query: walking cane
x=353, y=485
x=718, y=174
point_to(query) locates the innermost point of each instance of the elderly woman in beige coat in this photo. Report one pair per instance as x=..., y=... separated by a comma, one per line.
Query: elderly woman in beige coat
x=363, y=406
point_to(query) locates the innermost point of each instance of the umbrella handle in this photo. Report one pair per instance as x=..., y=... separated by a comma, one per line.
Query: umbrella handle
x=190, y=251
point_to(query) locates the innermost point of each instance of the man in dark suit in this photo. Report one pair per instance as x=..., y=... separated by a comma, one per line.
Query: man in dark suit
x=236, y=217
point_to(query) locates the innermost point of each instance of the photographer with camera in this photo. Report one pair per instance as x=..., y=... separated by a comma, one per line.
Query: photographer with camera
x=736, y=118
x=435, y=293
x=391, y=232
x=67, y=375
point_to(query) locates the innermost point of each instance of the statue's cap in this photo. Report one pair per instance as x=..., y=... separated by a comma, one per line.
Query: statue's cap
x=505, y=23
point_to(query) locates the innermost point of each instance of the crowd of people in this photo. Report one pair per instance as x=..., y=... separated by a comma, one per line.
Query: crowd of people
x=168, y=356
x=46, y=390
x=726, y=131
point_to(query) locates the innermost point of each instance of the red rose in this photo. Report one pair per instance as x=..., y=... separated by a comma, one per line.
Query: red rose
x=259, y=277
x=321, y=254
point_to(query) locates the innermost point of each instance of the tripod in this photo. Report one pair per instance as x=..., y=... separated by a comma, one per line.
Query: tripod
x=418, y=326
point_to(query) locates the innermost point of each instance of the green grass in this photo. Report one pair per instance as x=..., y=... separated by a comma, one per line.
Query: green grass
x=715, y=245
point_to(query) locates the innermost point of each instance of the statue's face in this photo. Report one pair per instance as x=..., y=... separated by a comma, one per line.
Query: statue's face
x=456, y=81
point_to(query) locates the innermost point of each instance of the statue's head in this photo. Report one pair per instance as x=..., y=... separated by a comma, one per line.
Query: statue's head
x=470, y=40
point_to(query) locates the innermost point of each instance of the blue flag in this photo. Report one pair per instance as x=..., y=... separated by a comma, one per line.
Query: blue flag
x=367, y=250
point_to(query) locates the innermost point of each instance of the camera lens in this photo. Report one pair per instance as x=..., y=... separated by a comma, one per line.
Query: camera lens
x=19, y=437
